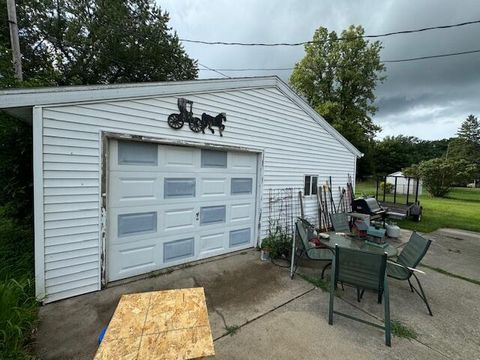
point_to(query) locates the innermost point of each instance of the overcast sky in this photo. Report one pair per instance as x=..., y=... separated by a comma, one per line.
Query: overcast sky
x=428, y=99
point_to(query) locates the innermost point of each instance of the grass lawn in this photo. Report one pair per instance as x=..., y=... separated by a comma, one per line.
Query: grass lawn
x=460, y=209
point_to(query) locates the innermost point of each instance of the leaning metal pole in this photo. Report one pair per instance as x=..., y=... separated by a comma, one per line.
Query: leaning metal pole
x=292, y=260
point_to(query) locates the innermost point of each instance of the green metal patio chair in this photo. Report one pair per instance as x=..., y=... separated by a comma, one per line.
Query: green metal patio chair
x=307, y=249
x=404, y=266
x=365, y=271
x=340, y=222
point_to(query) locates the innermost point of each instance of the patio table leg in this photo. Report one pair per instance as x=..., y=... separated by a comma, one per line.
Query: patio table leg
x=332, y=294
x=386, y=300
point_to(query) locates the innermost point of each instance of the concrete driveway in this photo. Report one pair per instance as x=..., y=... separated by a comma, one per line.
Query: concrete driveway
x=257, y=312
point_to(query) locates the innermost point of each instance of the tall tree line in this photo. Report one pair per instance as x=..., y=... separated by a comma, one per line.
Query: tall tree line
x=79, y=42
x=393, y=153
x=338, y=76
x=72, y=42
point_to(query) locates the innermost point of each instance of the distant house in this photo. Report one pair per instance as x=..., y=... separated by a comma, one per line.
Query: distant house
x=132, y=178
x=404, y=183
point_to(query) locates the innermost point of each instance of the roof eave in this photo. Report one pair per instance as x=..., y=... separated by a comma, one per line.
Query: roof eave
x=24, y=97
x=51, y=96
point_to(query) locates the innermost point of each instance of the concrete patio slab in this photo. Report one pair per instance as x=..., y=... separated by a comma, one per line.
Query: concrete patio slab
x=300, y=330
x=238, y=288
x=456, y=251
x=279, y=318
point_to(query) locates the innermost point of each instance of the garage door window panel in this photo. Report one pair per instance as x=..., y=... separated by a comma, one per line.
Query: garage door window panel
x=239, y=237
x=214, y=159
x=179, y=188
x=241, y=186
x=137, y=153
x=212, y=215
x=178, y=249
x=137, y=223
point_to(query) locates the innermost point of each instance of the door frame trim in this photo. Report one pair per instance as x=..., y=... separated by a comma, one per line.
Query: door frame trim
x=106, y=135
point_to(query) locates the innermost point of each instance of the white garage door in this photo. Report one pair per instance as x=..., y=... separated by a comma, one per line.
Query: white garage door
x=169, y=205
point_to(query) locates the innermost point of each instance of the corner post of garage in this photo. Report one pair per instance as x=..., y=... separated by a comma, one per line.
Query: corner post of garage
x=104, y=153
x=37, y=128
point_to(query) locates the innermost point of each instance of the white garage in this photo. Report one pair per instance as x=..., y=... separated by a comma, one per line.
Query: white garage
x=174, y=204
x=133, y=178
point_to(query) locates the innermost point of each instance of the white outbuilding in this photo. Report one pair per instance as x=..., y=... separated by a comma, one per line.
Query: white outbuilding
x=404, y=184
x=122, y=189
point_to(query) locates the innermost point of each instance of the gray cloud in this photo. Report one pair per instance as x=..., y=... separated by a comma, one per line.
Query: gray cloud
x=428, y=99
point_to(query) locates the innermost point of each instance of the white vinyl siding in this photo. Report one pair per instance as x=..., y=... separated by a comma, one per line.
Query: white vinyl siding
x=293, y=144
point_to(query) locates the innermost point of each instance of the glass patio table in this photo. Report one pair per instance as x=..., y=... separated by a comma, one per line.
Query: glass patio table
x=343, y=240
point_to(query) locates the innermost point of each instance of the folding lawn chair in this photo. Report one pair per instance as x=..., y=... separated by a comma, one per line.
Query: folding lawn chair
x=306, y=249
x=340, y=222
x=365, y=271
x=404, y=267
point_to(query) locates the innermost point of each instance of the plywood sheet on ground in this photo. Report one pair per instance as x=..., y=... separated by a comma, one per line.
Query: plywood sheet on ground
x=171, y=324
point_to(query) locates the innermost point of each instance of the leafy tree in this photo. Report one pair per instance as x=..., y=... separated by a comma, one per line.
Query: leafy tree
x=68, y=42
x=467, y=146
x=16, y=168
x=338, y=76
x=393, y=153
x=429, y=149
x=463, y=149
x=37, y=58
x=440, y=174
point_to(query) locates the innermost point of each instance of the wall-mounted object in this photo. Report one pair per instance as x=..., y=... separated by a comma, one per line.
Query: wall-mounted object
x=176, y=121
x=209, y=121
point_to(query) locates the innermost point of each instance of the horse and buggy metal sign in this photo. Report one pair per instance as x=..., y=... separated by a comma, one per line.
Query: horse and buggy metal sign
x=176, y=121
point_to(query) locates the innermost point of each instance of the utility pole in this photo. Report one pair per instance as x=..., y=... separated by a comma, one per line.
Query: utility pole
x=17, y=56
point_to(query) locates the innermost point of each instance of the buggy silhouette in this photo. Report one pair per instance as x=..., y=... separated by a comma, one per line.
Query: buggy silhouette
x=176, y=121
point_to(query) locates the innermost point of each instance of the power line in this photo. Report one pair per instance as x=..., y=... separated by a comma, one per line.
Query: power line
x=203, y=42
x=214, y=70
x=383, y=61
x=255, y=69
x=432, y=56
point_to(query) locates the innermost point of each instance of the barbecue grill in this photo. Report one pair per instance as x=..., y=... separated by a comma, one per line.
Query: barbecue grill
x=369, y=206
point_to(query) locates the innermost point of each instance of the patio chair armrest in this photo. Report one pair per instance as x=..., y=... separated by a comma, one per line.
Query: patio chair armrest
x=321, y=247
x=405, y=267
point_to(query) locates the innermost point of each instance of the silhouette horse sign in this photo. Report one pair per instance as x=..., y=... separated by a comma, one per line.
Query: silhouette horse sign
x=209, y=121
x=176, y=121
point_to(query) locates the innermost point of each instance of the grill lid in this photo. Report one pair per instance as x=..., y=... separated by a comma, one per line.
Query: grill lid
x=373, y=205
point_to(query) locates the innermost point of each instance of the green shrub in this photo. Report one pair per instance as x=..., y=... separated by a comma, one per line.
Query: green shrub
x=277, y=246
x=439, y=175
x=277, y=242
x=18, y=314
x=16, y=249
x=18, y=306
x=387, y=187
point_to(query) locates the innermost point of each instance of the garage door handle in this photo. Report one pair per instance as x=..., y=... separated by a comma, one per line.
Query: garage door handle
x=196, y=216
